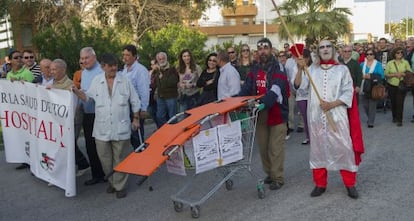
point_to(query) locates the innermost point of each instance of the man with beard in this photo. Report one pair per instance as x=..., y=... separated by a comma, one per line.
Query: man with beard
x=166, y=81
x=266, y=78
x=330, y=149
x=383, y=54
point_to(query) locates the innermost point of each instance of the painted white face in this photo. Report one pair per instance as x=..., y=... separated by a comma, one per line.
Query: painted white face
x=325, y=50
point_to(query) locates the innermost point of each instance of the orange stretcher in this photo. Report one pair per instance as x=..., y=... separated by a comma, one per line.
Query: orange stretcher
x=162, y=143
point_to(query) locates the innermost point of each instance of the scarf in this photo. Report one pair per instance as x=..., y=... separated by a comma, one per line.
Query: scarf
x=331, y=61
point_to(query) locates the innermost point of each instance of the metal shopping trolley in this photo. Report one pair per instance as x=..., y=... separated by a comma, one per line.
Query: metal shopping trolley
x=164, y=144
x=224, y=165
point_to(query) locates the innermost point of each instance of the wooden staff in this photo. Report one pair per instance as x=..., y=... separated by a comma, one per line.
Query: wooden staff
x=329, y=117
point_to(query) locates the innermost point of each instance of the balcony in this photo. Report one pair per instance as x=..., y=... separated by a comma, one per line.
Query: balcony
x=240, y=11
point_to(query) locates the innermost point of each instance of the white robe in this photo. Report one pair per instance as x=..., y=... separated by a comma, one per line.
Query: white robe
x=328, y=149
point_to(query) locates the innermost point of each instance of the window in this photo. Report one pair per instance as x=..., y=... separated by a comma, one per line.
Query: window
x=246, y=21
x=253, y=39
x=224, y=39
x=245, y=2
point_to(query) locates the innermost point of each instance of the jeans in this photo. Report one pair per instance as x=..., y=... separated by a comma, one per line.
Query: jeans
x=166, y=108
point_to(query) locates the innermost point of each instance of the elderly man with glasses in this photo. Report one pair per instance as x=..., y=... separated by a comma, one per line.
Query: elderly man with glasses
x=353, y=66
x=266, y=78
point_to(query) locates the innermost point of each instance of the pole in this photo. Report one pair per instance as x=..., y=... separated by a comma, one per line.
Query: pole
x=264, y=19
x=328, y=117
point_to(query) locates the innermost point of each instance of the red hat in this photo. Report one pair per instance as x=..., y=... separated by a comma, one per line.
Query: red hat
x=300, y=49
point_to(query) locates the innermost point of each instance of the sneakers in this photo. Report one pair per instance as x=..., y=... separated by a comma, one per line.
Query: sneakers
x=352, y=192
x=305, y=142
x=121, y=194
x=82, y=172
x=275, y=185
x=317, y=191
x=50, y=184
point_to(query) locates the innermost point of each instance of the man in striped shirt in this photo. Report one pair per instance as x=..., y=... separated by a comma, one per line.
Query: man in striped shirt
x=30, y=63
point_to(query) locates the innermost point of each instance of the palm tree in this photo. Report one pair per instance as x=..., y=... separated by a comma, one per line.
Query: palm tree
x=314, y=20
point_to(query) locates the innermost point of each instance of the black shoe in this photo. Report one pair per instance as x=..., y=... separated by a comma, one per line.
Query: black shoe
x=305, y=142
x=23, y=166
x=121, y=194
x=267, y=180
x=110, y=189
x=352, y=192
x=275, y=185
x=299, y=129
x=399, y=124
x=317, y=191
x=370, y=126
x=94, y=181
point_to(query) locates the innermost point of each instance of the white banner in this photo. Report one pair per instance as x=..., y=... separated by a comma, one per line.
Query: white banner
x=38, y=129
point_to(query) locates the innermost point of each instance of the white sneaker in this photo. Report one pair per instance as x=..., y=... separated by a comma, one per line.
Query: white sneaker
x=82, y=172
x=50, y=184
x=287, y=137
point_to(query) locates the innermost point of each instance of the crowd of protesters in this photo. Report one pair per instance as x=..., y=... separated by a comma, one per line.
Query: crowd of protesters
x=163, y=89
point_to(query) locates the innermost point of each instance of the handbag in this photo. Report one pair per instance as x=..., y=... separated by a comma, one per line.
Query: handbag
x=409, y=79
x=401, y=84
x=378, y=92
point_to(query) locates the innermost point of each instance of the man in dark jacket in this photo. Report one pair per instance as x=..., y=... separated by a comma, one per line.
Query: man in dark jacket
x=166, y=80
x=266, y=78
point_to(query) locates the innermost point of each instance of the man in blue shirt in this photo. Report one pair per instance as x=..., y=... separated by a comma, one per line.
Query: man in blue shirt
x=138, y=75
x=92, y=68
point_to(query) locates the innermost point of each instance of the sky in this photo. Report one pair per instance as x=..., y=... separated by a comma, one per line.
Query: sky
x=395, y=10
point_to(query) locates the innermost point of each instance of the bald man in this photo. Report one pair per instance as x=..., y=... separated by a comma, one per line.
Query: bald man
x=45, y=78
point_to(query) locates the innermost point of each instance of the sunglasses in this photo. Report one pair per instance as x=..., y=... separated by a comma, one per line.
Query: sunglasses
x=231, y=52
x=282, y=55
x=27, y=57
x=18, y=57
x=325, y=46
x=245, y=50
x=369, y=54
x=212, y=60
x=262, y=45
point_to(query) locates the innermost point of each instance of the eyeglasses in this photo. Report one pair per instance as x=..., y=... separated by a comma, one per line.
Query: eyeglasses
x=27, y=57
x=282, y=55
x=325, y=46
x=17, y=57
x=398, y=52
x=212, y=60
x=347, y=51
x=231, y=52
x=369, y=54
x=262, y=44
x=245, y=50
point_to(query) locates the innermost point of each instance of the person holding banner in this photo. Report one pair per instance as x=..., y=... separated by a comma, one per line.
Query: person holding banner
x=113, y=95
x=19, y=73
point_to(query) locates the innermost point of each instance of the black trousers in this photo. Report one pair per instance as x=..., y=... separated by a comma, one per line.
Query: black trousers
x=96, y=166
x=397, y=97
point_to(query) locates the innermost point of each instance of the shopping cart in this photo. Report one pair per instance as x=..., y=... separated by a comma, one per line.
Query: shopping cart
x=197, y=189
x=172, y=136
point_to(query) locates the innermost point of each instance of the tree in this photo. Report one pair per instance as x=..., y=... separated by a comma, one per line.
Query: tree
x=171, y=40
x=314, y=20
x=65, y=42
x=402, y=29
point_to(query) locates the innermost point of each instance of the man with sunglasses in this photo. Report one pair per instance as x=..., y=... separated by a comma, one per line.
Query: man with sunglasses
x=29, y=61
x=231, y=51
x=19, y=73
x=338, y=146
x=266, y=78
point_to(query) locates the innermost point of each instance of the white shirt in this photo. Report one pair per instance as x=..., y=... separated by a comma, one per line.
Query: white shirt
x=228, y=82
x=112, y=113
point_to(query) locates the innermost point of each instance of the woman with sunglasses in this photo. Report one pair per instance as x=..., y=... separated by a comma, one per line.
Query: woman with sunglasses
x=208, y=80
x=394, y=72
x=245, y=62
x=371, y=69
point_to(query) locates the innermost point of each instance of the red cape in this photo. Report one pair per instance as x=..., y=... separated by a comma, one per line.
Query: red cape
x=355, y=130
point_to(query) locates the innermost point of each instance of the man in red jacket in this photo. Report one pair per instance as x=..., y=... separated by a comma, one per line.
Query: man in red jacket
x=266, y=78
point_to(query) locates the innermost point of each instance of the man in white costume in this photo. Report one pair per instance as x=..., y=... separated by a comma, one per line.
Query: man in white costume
x=329, y=150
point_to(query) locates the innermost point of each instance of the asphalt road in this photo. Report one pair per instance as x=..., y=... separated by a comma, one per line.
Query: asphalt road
x=385, y=185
